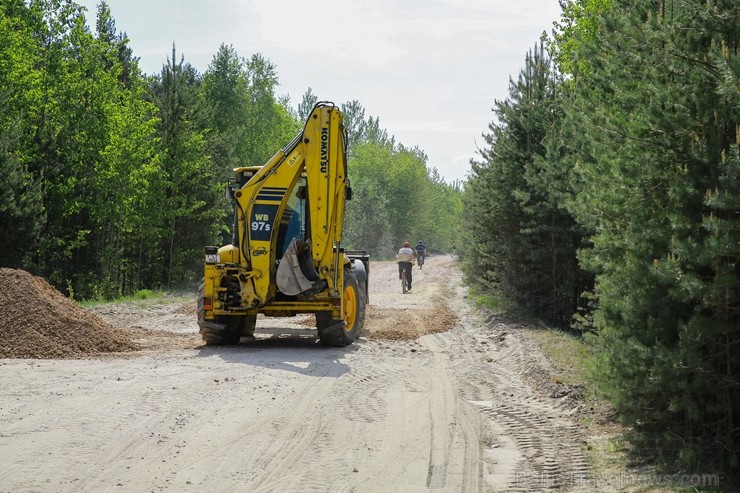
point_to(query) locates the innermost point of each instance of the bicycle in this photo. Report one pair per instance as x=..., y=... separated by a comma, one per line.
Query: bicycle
x=420, y=260
x=404, y=282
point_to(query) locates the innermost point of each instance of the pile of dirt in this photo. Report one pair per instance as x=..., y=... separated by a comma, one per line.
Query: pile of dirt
x=407, y=324
x=188, y=308
x=37, y=321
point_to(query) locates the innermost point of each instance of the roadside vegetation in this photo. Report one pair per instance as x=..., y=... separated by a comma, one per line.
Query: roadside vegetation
x=606, y=203
x=113, y=180
x=144, y=297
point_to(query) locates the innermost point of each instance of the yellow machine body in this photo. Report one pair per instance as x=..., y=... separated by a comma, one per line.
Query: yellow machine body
x=286, y=257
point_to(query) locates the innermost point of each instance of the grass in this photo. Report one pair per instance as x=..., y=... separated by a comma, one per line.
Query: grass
x=493, y=302
x=573, y=356
x=575, y=360
x=143, y=296
x=605, y=446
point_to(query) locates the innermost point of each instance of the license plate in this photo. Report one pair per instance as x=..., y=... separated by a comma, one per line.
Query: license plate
x=213, y=258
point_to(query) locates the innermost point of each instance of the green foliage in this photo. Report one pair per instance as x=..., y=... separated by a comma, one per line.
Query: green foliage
x=633, y=162
x=188, y=214
x=113, y=182
x=74, y=113
x=21, y=199
x=368, y=218
x=269, y=125
x=396, y=198
x=21, y=208
x=306, y=105
x=579, y=24
x=522, y=241
x=354, y=124
x=226, y=100
x=656, y=168
x=144, y=294
x=490, y=300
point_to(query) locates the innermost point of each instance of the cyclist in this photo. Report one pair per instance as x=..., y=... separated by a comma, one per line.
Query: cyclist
x=405, y=258
x=421, y=249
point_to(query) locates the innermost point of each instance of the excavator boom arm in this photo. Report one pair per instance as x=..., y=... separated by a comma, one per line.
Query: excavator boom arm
x=318, y=155
x=285, y=257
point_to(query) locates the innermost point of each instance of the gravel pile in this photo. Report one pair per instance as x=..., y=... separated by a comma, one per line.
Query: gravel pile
x=37, y=321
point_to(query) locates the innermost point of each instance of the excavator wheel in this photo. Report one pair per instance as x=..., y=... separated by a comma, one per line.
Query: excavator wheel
x=340, y=333
x=248, y=325
x=230, y=330
x=362, y=307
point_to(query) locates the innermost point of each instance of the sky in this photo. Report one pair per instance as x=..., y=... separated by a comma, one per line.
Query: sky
x=430, y=70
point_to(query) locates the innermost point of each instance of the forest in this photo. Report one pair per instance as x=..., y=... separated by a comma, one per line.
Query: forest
x=605, y=201
x=114, y=180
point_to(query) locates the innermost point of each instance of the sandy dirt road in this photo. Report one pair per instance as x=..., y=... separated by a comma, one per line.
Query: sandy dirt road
x=433, y=397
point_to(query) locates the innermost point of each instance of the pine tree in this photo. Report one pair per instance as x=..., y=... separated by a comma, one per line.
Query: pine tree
x=22, y=216
x=308, y=101
x=118, y=48
x=227, y=100
x=354, y=123
x=270, y=126
x=21, y=208
x=525, y=241
x=658, y=170
x=188, y=191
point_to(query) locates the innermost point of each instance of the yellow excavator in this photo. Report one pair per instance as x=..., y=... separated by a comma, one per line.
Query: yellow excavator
x=286, y=256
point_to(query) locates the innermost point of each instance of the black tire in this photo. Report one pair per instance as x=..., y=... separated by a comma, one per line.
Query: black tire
x=421, y=261
x=362, y=307
x=343, y=332
x=200, y=307
x=234, y=327
x=404, y=283
x=230, y=334
x=249, y=325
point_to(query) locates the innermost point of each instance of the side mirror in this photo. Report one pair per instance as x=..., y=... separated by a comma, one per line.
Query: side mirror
x=348, y=193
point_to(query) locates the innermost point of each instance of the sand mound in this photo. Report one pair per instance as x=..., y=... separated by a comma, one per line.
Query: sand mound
x=188, y=308
x=37, y=321
x=407, y=324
